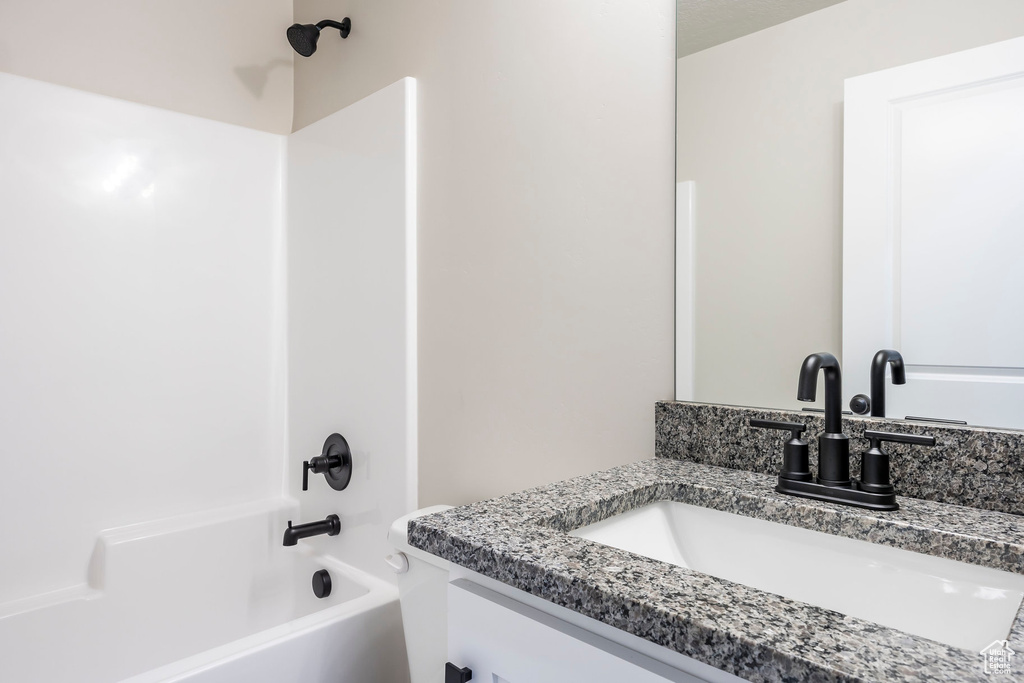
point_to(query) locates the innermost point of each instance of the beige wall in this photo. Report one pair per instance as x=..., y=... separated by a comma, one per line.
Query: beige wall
x=545, y=245
x=226, y=60
x=760, y=131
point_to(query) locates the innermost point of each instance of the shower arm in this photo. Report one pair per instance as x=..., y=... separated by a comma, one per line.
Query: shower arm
x=329, y=23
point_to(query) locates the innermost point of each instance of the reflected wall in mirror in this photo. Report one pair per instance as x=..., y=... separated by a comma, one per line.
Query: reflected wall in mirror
x=760, y=134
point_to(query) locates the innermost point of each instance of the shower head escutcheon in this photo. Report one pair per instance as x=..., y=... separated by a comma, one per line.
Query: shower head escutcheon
x=303, y=37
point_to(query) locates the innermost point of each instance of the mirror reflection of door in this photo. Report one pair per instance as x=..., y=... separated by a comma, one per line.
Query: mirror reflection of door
x=933, y=233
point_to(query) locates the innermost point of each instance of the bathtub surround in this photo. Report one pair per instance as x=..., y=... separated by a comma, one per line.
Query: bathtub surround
x=150, y=291
x=521, y=541
x=973, y=466
x=352, y=353
x=142, y=346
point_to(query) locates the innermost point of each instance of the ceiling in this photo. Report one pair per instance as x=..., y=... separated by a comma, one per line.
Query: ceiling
x=704, y=23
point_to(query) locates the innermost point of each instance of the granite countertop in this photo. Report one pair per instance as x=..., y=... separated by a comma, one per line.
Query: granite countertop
x=521, y=540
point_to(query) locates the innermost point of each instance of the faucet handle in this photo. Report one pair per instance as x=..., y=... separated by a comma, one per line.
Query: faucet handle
x=877, y=438
x=794, y=453
x=335, y=463
x=795, y=427
x=320, y=464
x=874, y=462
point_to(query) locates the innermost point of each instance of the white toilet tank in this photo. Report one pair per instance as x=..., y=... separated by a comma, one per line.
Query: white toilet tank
x=423, y=592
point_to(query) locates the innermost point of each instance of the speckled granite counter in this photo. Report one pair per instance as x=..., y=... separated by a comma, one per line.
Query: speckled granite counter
x=521, y=540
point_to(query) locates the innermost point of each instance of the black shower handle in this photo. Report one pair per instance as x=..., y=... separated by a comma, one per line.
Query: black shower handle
x=319, y=465
x=334, y=462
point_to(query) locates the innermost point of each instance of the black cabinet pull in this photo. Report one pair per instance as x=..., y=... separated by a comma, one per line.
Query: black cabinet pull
x=453, y=674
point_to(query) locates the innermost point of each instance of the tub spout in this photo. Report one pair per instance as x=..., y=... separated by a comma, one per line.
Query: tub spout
x=330, y=526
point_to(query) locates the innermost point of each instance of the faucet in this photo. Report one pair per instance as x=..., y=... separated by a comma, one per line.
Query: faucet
x=330, y=526
x=833, y=445
x=874, y=490
x=899, y=376
x=860, y=403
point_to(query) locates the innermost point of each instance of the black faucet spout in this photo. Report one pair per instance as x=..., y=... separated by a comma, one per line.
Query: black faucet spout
x=331, y=526
x=833, y=445
x=899, y=376
x=808, y=387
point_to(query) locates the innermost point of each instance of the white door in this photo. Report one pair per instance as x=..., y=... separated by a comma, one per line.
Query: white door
x=933, y=233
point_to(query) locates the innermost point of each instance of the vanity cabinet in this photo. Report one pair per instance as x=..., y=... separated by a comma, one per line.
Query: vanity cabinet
x=503, y=640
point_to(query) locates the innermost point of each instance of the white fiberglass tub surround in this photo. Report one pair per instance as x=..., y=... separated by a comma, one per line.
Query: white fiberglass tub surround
x=220, y=584
x=165, y=282
x=952, y=602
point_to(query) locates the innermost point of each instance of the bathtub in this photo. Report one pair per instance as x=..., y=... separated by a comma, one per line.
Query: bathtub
x=207, y=598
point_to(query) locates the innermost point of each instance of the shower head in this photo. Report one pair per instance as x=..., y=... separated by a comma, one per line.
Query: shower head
x=303, y=37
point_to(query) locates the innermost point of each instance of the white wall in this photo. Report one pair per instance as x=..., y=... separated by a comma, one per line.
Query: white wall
x=545, y=224
x=760, y=131
x=226, y=60
x=141, y=345
x=352, y=316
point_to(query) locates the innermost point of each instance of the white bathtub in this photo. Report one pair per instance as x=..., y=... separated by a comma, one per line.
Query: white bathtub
x=208, y=598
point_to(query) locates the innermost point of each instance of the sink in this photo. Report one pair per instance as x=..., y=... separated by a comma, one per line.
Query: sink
x=951, y=602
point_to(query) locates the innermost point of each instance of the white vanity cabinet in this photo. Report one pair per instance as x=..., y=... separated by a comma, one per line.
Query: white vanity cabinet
x=503, y=640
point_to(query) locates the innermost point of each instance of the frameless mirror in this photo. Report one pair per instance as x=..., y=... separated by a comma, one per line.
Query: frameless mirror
x=848, y=182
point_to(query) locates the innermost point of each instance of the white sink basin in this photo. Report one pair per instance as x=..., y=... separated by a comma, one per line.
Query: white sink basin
x=951, y=602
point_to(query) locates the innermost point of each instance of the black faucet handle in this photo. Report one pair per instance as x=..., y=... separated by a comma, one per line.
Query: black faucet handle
x=795, y=427
x=319, y=464
x=874, y=463
x=794, y=453
x=877, y=438
x=334, y=462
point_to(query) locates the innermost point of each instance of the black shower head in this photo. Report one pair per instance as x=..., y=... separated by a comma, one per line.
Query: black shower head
x=303, y=37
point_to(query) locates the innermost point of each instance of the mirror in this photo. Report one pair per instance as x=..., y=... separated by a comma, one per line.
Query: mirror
x=763, y=207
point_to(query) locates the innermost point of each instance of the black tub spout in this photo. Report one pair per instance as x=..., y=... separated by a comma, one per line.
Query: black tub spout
x=330, y=526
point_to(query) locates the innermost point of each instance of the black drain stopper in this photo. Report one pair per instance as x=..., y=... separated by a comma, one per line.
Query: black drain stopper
x=321, y=583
